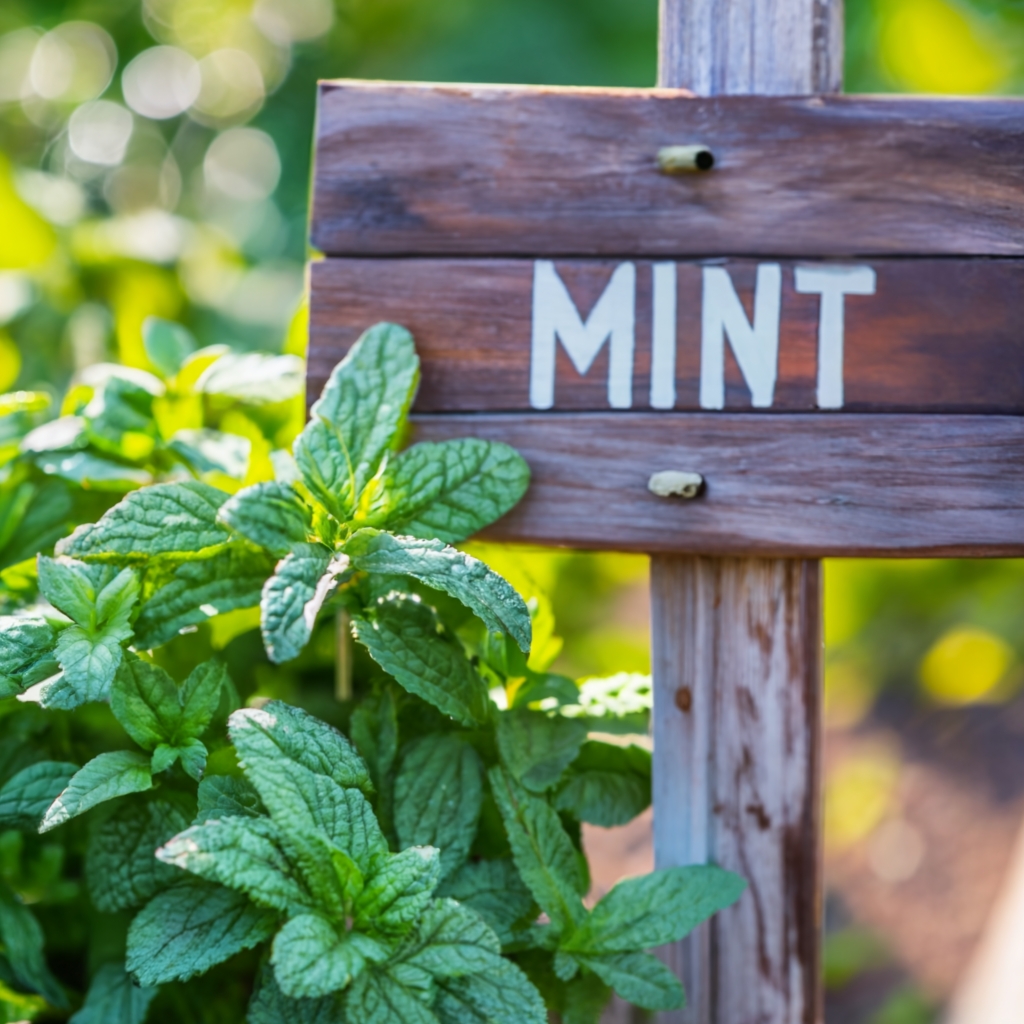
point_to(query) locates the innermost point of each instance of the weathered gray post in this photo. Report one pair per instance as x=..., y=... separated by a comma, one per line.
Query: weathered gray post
x=737, y=642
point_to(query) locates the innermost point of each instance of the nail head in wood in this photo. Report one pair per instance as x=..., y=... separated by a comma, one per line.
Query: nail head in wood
x=672, y=483
x=685, y=159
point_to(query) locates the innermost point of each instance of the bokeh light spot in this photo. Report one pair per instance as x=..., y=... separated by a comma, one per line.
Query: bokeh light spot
x=232, y=87
x=98, y=133
x=73, y=63
x=162, y=82
x=243, y=164
x=965, y=665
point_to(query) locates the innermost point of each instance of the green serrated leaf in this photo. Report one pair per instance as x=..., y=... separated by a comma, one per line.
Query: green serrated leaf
x=243, y=854
x=402, y=636
x=379, y=998
x=638, y=977
x=449, y=491
x=438, y=793
x=445, y=568
x=122, y=404
x=374, y=731
x=269, y=1005
x=174, y=521
x=178, y=596
x=167, y=344
x=90, y=665
x=270, y=515
x=293, y=596
x=113, y=998
x=227, y=796
x=542, y=850
x=105, y=777
x=585, y=999
x=450, y=941
x=607, y=785
x=213, y=451
x=312, y=958
x=537, y=748
x=398, y=891
x=494, y=890
x=27, y=795
x=651, y=910
x=121, y=869
x=189, y=928
x=22, y=939
x=26, y=651
x=501, y=995
x=358, y=418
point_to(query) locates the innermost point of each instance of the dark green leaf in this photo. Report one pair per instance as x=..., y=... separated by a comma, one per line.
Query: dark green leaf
x=378, y=998
x=270, y=515
x=639, y=978
x=495, y=891
x=113, y=998
x=105, y=777
x=226, y=796
x=374, y=731
x=398, y=891
x=22, y=939
x=188, y=929
x=26, y=796
x=451, y=941
x=26, y=650
x=537, y=748
x=502, y=995
x=607, y=785
x=586, y=996
x=270, y=1005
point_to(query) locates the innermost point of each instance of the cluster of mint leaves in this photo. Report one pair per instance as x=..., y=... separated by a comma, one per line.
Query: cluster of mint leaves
x=429, y=868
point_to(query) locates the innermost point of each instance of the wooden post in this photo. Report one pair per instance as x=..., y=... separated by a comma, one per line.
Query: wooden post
x=736, y=643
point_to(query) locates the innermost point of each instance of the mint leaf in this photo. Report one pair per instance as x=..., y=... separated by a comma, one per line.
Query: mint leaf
x=269, y=1005
x=167, y=344
x=179, y=595
x=657, y=908
x=374, y=731
x=105, y=777
x=240, y=853
x=465, y=578
x=585, y=999
x=192, y=754
x=26, y=651
x=312, y=958
x=501, y=995
x=607, y=785
x=438, y=793
x=270, y=515
x=93, y=473
x=449, y=491
x=378, y=998
x=402, y=636
x=450, y=941
x=121, y=869
x=542, y=850
x=293, y=596
x=22, y=939
x=212, y=451
x=537, y=748
x=639, y=978
x=358, y=418
x=226, y=796
x=177, y=521
x=494, y=890
x=113, y=998
x=26, y=796
x=188, y=929
x=255, y=378
x=278, y=730
x=122, y=404
x=397, y=893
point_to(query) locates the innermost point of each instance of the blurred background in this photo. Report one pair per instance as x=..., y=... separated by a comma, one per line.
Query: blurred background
x=154, y=160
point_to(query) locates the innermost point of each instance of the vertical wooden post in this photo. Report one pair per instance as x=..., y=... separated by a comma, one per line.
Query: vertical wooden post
x=736, y=643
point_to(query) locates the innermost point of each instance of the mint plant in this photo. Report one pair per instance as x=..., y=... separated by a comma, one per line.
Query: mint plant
x=417, y=859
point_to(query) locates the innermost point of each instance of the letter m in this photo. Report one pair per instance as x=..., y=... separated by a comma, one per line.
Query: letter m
x=555, y=317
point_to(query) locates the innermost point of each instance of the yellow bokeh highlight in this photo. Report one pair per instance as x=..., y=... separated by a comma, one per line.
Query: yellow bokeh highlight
x=859, y=793
x=10, y=362
x=138, y=293
x=940, y=47
x=26, y=240
x=966, y=665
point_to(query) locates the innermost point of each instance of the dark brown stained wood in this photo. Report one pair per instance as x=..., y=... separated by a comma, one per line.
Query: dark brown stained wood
x=939, y=335
x=406, y=169
x=784, y=485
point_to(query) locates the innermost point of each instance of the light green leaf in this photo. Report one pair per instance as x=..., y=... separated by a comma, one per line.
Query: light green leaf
x=243, y=854
x=105, y=777
x=438, y=793
x=293, y=596
x=639, y=978
x=188, y=929
x=176, y=521
x=179, y=596
x=402, y=636
x=26, y=651
x=212, y=451
x=537, y=748
x=22, y=939
x=312, y=958
x=121, y=869
x=92, y=473
x=358, y=418
x=450, y=941
x=113, y=998
x=378, y=998
x=269, y=1005
x=227, y=796
x=607, y=785
x=542, y=850
x=121, y=404
x=90, y=664
x=450, y=490
x=654, y=909
x=585, y=999
x=397, y=893
x=64, y=434
x=254, y=378
x=27, y=795
x=167, y=344
x=495, y=891
x=465, y=578
x=270, y=515
x=502, y=995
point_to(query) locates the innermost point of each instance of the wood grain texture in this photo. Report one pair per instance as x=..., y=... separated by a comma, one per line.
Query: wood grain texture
x=938, y=335
x=784, y=485
x=406, y=169
x=736, y=646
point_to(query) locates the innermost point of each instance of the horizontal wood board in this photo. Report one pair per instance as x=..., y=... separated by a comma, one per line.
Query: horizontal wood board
x=407, y=169
x=785, y=485
x=938, y=335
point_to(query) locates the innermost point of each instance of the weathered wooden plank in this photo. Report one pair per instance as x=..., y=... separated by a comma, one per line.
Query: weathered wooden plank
x=783, y=485
x=736, y=646
x=937, y=335
x=405, y=169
